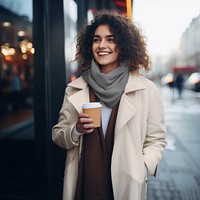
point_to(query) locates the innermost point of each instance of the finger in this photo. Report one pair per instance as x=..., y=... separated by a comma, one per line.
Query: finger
x=83, y=115
x=84, y=127
x=88, y=126
x=85, y=120
x=89, y=131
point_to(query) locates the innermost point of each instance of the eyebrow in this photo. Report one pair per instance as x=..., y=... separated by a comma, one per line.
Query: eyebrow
x=106, y=36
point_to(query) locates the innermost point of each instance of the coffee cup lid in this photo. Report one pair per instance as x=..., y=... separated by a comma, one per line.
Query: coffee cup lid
x=91, y=105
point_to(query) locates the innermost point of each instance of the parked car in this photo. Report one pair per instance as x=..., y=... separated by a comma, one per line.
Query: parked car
x=193, y=82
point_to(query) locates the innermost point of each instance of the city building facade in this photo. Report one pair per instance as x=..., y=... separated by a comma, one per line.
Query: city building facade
x=190, y=45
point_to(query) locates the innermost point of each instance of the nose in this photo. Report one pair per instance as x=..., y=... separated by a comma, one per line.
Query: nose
x=102, y=44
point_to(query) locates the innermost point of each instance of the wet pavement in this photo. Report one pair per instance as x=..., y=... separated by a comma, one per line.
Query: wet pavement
x=179, y=171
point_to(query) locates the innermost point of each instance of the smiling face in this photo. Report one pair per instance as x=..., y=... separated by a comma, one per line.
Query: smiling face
x=104, y=49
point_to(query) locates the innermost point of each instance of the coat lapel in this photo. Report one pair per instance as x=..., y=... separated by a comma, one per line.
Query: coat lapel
x=80, y=97
x=127, y=110
x=128, y=106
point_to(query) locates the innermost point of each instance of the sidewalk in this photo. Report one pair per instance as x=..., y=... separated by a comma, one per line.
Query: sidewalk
x=179, y=171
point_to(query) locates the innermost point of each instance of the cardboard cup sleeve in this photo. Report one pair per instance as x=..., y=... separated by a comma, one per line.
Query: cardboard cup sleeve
x=93, y=109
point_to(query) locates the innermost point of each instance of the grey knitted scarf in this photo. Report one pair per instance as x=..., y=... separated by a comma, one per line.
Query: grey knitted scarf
x=107, y=87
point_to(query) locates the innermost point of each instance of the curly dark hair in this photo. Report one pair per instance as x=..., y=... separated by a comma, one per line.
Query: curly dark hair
x=130, y=42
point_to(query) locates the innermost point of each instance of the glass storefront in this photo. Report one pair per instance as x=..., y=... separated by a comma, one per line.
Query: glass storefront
x=16, y=64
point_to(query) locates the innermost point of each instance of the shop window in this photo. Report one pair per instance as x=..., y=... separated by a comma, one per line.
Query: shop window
x=16, y=65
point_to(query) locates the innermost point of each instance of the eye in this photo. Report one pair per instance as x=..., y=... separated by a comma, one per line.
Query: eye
x=96, y=39
x=111, y=40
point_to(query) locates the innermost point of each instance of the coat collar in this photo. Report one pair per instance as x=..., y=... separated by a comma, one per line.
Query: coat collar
x=79, y=83
x=134, y=83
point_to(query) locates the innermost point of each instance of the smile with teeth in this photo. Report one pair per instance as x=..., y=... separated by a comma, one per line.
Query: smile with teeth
x=103, y=53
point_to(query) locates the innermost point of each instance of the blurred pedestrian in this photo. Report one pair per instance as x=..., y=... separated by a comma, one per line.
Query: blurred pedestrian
x=113, y=161
x=171, y=84
x=179, y=83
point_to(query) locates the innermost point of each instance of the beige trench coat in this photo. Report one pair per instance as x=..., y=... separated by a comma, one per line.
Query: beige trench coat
x=140, y=137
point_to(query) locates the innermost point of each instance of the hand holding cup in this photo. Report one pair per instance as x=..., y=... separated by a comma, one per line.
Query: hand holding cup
x=90, y=118
x=93, y=109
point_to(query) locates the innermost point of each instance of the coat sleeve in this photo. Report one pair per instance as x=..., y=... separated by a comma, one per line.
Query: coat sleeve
x=155, y=141
x=62, y=131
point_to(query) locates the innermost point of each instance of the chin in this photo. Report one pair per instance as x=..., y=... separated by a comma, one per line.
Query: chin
x=102, y=62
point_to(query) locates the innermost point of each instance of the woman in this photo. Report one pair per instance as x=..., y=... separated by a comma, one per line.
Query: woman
x=113, y=161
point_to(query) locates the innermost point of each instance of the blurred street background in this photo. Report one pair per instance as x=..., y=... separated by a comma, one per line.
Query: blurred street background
x=178, y=173
x=36, y=49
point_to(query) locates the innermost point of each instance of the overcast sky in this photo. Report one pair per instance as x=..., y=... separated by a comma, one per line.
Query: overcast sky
x=164, y=21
